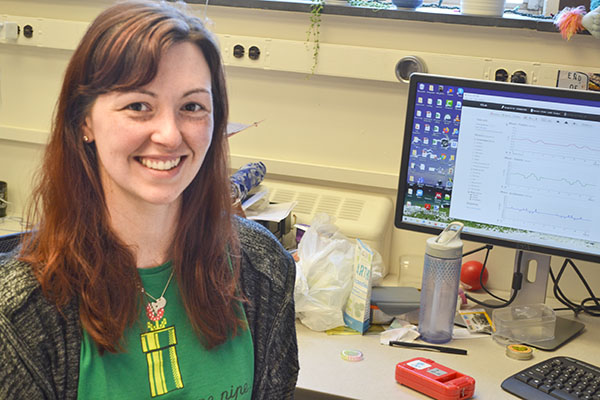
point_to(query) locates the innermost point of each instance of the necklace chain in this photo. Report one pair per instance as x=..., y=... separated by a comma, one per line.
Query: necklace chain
x=163, y=292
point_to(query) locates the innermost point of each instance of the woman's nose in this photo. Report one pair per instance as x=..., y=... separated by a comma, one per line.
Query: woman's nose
x=166, y=130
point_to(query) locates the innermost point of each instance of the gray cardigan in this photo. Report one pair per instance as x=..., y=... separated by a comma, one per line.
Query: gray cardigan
x=39, y=347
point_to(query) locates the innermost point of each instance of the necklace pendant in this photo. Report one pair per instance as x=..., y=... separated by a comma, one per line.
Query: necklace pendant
x=160, y=303
x=154, y=314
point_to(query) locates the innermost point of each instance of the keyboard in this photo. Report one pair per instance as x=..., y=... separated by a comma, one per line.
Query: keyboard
x=556, y=378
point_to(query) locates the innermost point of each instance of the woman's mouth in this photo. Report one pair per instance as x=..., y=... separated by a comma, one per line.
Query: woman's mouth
x=159, y=165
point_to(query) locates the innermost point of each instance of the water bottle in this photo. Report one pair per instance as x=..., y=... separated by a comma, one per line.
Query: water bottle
x=439, y=289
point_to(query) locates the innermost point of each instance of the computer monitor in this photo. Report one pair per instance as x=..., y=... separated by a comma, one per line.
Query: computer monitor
x=518, y=164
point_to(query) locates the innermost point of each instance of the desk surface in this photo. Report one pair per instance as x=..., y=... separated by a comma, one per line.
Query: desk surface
x=11, y=224
x=323, y=372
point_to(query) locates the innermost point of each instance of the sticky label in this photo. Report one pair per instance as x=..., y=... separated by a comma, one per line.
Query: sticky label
x=418, y=364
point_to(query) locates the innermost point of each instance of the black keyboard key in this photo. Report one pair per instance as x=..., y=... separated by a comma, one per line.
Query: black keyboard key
x=546, y=388
x=535, y=382
x=562, y=395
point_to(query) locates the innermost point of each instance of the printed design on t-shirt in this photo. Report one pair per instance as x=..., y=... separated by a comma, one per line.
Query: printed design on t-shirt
x=158, y=344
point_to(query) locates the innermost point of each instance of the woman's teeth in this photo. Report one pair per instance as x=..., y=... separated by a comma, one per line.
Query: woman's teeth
x=160, y=165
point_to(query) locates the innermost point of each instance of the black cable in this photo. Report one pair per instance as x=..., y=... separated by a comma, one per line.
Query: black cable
x=515, y=285
x=558, y=294
x=593, y=310
x=488, y=247
x=487, y=253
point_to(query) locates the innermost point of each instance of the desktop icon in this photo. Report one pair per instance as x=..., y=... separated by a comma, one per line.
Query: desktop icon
x=439, y=102
x=418, y=113
x=417, y=126
x=457, y=118
x=425, y=140
x=430, y=101
x=443, y=156
x=436, y=128
x=410, y=191
x=419, y=192
x=427, y=206
x=447, y=196
x=460, y=91
x=455, y=131
x=421, y=86
x=450, y=91
x=449, y=103
x=458, y=104
x=427, y=127
x=431, y=88
x=438, y=195
x=420, y=100
x=428, y=114
x=447, y=118
x=411, y=178
x=441, y=88
x=438, y=115
x=446, y=130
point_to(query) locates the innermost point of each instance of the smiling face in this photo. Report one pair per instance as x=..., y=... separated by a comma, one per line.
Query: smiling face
x=151, y=141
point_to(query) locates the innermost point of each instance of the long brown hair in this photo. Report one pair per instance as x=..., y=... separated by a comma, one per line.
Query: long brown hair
x=74, y=252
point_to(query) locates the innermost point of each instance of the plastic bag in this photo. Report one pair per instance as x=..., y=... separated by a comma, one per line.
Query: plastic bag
x=324, y=274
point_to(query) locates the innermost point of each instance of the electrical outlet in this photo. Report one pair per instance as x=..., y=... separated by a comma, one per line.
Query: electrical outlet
x=511, y=71
x=246, y=51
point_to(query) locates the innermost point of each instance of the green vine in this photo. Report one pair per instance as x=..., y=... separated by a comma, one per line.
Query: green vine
x=314, y=31
x=378, y=4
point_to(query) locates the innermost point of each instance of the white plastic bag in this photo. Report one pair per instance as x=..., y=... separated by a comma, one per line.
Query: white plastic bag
x=323, y=275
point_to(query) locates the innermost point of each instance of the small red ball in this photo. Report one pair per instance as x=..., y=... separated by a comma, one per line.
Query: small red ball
x=469, y=275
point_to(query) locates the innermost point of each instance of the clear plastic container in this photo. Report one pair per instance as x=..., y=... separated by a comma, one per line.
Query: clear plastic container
x=524, y=323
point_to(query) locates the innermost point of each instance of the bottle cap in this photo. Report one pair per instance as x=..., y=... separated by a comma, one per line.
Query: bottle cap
x=352, y=355
x=519, y=351
x=447, y=244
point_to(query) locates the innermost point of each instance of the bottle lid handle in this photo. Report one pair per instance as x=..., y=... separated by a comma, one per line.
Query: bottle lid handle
x=450, y=233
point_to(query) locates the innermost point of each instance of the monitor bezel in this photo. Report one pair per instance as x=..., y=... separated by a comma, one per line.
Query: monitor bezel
x=478, y=84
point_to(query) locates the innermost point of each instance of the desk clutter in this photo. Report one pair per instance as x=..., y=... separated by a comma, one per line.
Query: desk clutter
x=339, y=291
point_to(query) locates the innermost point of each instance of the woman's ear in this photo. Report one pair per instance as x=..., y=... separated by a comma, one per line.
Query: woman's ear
x=88, y=133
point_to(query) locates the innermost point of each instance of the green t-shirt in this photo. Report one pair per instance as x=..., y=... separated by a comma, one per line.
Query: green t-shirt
x=164, y=358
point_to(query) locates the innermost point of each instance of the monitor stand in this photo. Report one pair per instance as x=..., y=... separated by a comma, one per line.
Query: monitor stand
x=535, y=268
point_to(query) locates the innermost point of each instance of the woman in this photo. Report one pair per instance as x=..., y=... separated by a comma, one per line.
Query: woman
x=137, y=281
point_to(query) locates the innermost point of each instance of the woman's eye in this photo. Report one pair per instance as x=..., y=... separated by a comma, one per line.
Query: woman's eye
x=137, y=107
x=192, y=107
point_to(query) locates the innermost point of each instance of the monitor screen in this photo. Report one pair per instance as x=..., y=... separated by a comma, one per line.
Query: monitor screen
x=518, y=164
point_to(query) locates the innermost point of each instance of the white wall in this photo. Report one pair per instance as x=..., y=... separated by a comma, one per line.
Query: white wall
x=347, y=129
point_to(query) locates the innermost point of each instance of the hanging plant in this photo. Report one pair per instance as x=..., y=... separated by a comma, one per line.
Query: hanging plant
x=370, y=4
x=313, y=33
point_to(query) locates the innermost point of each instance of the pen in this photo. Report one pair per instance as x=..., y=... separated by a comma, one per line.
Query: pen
x=441, y=349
